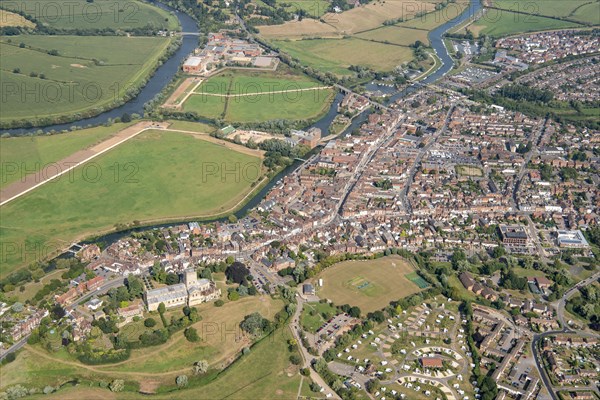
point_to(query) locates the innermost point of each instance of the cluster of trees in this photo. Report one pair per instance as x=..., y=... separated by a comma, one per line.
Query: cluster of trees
x=255, y=324
x=586, y=305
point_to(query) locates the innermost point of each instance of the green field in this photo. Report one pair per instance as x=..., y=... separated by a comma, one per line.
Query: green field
x=258, y=96
x=86, y=73
x=153, y=176
x=369, y=284
x=396, y=35
x=336, y=55
x=586, y=11
x=314, y=8
x=468, y=170
x=417, y=280
x=502, y=23
x=27, y=154
x=103, y=14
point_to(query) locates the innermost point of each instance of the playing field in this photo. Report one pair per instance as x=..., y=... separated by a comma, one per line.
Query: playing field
x=336, y=55
x=82, y=74
x=82, y=14
x=369, y=284
x=26, y=154
x=153, y=176
x=502, y=23
x=259, y=96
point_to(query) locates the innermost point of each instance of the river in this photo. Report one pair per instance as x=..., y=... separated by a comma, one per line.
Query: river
x=166, y=72
x=162, y=76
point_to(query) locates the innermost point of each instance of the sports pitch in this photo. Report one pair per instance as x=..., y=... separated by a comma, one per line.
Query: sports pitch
x=370, y=284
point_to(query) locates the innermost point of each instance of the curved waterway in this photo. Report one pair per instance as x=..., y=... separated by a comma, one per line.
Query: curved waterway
x=168, y=70
x=162, y=76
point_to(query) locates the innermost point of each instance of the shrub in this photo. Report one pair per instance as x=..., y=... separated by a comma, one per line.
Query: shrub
x=149, y=322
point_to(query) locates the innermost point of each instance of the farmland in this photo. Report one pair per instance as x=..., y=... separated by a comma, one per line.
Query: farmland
x=155, y=176
x=336, y=55
x=369, y=284
x=584, y=11
x=377, y=35
x=30, y=154
x=49, y=76
x=395, y=34
x=502, y=23
x=80, y=14
x=257, y=96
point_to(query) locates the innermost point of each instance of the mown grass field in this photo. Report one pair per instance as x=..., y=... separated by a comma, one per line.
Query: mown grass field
x=156, y=175
x=80, y=14
x=311, y=323
x=25, y=154
x=503, y=23
x=396, y=35
x=336, y=55
x=369, y=284
x=86, y=72
x=259, y=96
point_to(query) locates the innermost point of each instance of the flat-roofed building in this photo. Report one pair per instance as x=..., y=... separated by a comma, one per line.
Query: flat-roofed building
x=514, y=235
x=572, y=239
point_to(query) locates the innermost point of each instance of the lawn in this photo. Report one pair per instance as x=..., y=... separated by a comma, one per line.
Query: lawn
x=23, y=155
x=369, y=284
x=312, y=315
x=468, y=170
x=259, y=96
x=154, y=176
x=336, y=55
x=85, y=74
x=503, y=23
x=81, y=14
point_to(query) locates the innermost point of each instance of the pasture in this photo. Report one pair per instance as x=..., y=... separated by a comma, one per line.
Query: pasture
x=259, y=96
x=49, y=76
x=81, y=14
x=584, y=11
x=336, y=55
x=395, y=35
x=27, y=154
x=154, y=176
x=368, y=284
x=499, y=23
